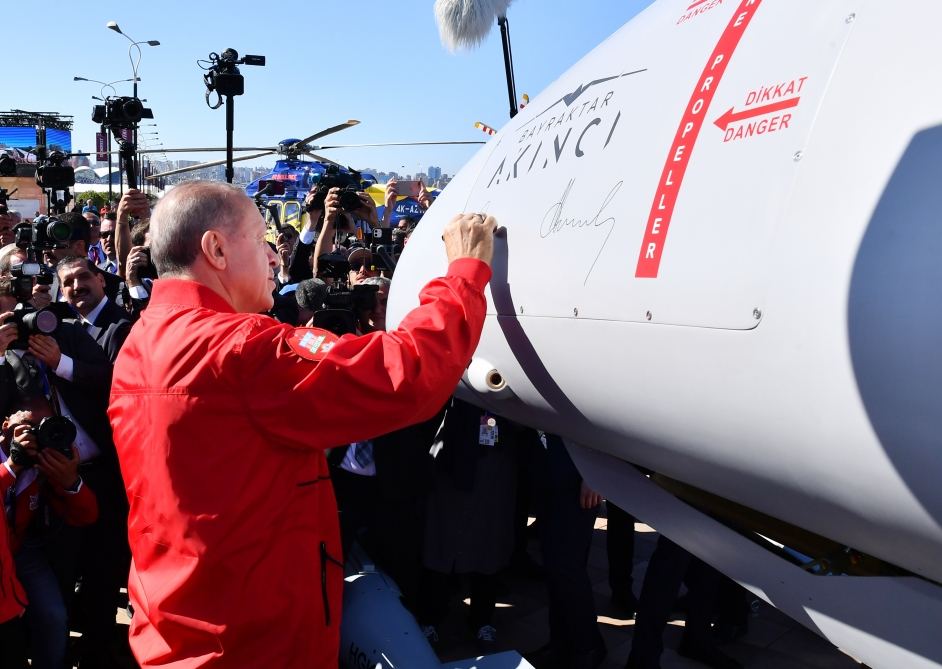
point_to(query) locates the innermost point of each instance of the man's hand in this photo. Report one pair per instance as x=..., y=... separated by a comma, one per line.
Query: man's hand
x=391, y=194
x=46, y=349
x=424, y=199
x=588, y=498
x=138, y=259
x=8, y=332
x=470, y=236
x=59, y=469
x=332, y=208
x=134, y=203
x=41, y=298
x=368, y=209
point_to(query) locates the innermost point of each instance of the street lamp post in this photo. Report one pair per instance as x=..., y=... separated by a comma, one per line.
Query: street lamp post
x=112, y=25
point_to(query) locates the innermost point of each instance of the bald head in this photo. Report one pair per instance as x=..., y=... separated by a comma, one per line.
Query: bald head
x=184, y=215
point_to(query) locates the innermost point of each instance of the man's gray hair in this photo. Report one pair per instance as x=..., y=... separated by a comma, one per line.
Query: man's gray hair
x=183, y=215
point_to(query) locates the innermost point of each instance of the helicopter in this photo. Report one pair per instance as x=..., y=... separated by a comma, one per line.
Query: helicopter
x=297, y=175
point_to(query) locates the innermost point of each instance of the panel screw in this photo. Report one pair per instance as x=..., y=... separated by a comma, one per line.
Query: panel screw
x=850, y=18
x=756, y=314
x=575, y=311
x=797, y=156
x=521, y=309
x=647, y=315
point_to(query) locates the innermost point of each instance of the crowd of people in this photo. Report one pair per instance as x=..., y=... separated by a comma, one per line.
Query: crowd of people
x=441, y=503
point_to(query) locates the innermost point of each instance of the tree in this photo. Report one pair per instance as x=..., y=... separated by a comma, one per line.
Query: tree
x=97, y=198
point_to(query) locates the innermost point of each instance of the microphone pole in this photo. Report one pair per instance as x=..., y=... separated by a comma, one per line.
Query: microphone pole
x=508, y=64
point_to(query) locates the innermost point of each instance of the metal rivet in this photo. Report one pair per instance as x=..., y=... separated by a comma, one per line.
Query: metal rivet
x=575, y=311
x=521, y=309
x=756, y=314
x=850, y=18
x=647, y=315
x=797, y=156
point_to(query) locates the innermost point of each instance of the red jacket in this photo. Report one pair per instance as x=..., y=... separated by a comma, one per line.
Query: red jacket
x=76, y=509
x=219, y=423
x=12, y=596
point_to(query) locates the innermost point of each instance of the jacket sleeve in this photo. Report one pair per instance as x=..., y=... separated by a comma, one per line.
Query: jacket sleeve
x=91, y=367
x=77, y=510
x=370, y=385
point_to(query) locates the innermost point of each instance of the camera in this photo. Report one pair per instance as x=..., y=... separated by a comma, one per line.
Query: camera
x=30, y=321
x=51, y=174
x=5, y=196
x=333, y=177
x=343, y=306
x=223, y=76
x=120, y=112
x=45, y=232
x=55, y=432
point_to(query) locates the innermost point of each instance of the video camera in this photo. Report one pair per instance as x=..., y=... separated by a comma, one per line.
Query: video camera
x=5, y=195
x=51, y=174
x=42, y=234
x=223, y=76
x=55, y=432
x=343, y=307
x=120, y=112
x=349, y=183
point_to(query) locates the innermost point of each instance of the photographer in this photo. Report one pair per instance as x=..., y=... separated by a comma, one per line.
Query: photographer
x=44, y=497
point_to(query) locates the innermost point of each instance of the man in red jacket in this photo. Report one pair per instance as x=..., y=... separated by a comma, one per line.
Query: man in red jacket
x=220, y=419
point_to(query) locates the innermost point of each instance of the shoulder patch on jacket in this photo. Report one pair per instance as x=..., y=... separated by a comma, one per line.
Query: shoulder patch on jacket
x=312, y=343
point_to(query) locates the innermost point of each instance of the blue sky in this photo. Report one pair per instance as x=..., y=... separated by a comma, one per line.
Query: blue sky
x=379, y=62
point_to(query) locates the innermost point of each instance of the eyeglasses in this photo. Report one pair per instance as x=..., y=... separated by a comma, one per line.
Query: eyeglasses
x=357, y=265
x=107, y=234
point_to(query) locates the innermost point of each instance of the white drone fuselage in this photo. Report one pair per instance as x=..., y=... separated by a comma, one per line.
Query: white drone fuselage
x=723, y=263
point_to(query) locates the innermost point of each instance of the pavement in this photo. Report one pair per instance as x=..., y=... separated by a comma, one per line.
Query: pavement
x=773, y=640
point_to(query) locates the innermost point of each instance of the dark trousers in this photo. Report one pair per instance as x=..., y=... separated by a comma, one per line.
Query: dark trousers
x=357, y=503
x=104, y=560
x=13, y=645
x=670, y=566
x=620, y=546
x=397, y=540
x=565, y=531
x=436, y=593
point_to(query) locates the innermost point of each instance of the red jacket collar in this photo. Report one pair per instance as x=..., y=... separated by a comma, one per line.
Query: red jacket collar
x=187, y=293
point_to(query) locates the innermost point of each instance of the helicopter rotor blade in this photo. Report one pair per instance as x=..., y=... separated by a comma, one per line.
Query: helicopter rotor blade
x=212, y=163
x=321, y=159
x=206, y=149
x=328, y=131
x=355, y=146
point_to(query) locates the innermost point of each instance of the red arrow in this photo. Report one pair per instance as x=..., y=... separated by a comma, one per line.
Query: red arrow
x=732, y=117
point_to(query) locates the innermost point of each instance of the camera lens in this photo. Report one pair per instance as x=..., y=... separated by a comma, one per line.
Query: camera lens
x=58, y=231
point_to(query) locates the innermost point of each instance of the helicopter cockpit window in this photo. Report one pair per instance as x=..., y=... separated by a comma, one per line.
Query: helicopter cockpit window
x=292, y=213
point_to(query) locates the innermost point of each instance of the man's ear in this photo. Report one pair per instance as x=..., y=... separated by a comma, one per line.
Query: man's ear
x=212, y=245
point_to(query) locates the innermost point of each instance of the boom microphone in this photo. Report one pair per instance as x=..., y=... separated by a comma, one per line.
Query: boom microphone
x=465, y=23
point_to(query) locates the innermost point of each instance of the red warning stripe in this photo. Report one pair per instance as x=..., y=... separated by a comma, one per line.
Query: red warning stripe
x=672, y=177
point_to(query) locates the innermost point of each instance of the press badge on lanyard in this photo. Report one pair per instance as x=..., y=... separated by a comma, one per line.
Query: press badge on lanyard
x=488, y=433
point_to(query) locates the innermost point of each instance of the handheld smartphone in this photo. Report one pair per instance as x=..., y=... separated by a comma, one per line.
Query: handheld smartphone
x=409, y=188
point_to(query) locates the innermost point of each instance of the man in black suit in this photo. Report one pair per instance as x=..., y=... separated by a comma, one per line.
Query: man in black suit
x=104, y=559
x=83, y=288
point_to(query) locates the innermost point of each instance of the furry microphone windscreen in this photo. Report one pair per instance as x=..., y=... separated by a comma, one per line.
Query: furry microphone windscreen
x=465, y=23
